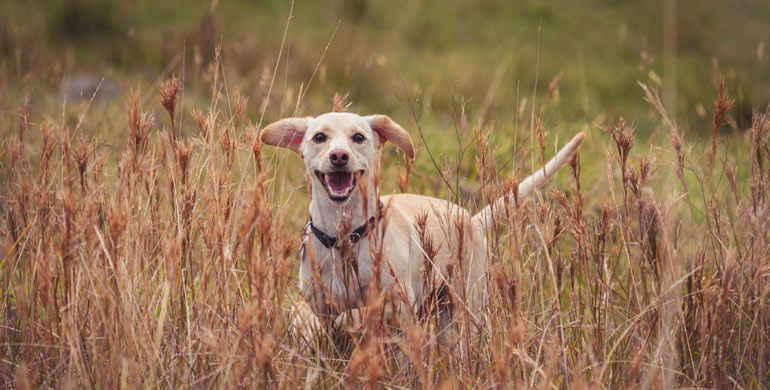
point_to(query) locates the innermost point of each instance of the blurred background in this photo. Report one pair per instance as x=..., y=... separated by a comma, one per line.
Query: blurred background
x=482, y=52
x=440, y=64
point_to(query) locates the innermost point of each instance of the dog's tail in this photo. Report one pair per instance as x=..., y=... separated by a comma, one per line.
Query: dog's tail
x=485, y=217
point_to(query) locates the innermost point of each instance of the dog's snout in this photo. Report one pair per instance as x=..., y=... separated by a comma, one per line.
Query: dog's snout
x=339, y=157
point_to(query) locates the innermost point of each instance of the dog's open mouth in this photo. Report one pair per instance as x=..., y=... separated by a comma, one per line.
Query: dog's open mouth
x=338, y=184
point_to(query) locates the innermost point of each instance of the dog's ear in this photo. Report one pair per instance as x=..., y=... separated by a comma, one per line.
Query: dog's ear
x=286, y=133
x=387, y=130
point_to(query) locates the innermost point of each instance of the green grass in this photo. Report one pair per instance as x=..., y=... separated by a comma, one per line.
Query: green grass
x=447, y=47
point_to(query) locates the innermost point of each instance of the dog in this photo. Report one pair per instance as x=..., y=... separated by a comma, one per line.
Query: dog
x=348, y=228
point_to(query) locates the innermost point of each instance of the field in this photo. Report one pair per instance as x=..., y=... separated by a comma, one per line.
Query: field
x=149, y=240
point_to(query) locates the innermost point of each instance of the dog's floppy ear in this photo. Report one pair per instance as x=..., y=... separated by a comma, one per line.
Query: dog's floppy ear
x=286, y=133
x=387, y=130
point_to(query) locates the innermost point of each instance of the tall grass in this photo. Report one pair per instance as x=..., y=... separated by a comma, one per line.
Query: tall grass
x=173, y=270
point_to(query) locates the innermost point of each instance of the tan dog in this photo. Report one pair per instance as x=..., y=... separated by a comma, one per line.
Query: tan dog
x=340, y=151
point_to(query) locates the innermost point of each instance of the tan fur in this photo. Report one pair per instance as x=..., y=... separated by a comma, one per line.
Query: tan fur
x=391, y=131
x=287, y=133
x=459, y=237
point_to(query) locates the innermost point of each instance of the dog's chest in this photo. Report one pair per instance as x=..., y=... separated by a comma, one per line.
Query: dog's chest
x=337, y=279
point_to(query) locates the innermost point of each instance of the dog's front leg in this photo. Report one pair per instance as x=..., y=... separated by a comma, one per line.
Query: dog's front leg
x=306, y=327
x=351, y=321
x=305, y=324
x=374, y=317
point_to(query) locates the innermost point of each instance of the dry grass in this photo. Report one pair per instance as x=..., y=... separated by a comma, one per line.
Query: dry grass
x=175, y=269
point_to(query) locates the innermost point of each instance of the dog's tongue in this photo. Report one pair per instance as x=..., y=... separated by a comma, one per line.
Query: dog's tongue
x=339, y=182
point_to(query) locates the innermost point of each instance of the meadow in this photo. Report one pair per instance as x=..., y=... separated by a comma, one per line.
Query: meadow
x=149, y=240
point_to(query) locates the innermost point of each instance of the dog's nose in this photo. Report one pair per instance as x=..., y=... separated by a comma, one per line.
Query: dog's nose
x=339, y=157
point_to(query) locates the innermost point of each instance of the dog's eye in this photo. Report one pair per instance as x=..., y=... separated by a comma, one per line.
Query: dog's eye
x=318, y=138
x=358, y=138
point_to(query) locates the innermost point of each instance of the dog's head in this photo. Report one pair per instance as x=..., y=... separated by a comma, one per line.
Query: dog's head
x=339, y=149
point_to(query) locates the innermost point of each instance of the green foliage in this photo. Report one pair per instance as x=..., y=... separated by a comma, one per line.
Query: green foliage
x=446, y=47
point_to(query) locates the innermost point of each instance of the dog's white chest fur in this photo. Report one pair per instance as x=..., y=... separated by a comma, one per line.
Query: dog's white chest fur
x=346, y=280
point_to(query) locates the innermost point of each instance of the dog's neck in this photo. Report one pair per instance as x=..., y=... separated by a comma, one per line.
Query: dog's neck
x=332, y=217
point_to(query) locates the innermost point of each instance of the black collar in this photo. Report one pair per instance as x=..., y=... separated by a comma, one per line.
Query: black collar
x=355, y=235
